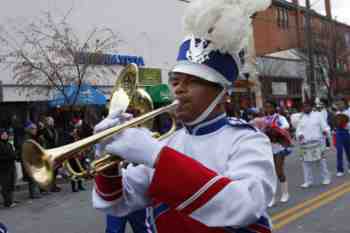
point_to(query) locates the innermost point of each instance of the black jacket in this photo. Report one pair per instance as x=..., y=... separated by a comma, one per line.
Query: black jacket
x=49, y=137
x=7, y=156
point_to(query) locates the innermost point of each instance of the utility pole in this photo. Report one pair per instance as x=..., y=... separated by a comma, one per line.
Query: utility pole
x=310, y=51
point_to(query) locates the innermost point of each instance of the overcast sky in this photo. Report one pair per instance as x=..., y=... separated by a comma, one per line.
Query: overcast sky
x=150, y=28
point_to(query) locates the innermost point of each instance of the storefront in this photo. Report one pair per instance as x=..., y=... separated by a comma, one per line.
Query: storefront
x=31, y=101
x=282, y=78
x=286, y=92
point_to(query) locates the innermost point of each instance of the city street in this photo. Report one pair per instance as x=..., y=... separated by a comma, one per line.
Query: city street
x=54, y=213
x=319, y=209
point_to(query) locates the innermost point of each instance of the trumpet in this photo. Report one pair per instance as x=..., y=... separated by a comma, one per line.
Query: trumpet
x=40, y=163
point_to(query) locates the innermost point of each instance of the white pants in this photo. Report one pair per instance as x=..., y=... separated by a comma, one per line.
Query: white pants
x=321, y=165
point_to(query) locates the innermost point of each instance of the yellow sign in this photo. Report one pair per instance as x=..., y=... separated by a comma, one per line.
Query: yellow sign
x=150, y=76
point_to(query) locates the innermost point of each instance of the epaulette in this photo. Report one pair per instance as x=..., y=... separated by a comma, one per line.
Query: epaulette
x=240, y=123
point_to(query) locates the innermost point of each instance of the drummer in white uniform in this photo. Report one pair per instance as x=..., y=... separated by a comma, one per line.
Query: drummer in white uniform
x=310, y=133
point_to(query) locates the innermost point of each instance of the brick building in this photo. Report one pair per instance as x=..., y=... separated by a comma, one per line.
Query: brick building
x=282, y=28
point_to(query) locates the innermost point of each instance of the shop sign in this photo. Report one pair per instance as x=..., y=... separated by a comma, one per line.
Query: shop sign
x=279, y=88
x=107, y=59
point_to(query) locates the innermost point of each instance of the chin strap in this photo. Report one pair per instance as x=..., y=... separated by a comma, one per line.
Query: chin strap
x=210, y=108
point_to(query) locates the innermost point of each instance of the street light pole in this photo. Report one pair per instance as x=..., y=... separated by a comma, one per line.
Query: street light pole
x=310, y=50
x=247, y=76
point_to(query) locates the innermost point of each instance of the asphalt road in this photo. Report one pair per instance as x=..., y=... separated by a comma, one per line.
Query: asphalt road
x=54, y=213
x=319, y=209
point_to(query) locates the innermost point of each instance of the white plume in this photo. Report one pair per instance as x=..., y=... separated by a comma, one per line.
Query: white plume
x=224, y=22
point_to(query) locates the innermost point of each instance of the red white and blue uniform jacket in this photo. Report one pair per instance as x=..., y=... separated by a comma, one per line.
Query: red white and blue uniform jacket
x=218, y=176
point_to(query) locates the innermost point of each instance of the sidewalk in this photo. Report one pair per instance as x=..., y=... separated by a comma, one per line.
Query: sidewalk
x=23, y=185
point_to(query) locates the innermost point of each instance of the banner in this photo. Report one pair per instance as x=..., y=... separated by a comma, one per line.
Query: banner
x=107, y=59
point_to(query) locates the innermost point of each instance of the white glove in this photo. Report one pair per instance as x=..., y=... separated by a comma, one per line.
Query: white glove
x=136, y=145
x=113, y=120
x=108, y=122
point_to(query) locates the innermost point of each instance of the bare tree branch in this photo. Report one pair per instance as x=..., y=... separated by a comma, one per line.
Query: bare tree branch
x=330, y=51
x=43, y=51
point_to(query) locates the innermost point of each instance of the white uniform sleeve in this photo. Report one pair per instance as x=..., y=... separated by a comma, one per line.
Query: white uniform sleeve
x=324, y=125
x=299, y=129
x=252, y=172
x=235, y=198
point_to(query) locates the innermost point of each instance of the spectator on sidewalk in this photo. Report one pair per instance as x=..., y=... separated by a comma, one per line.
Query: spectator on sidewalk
x=49, y=138
x=7, y=169
x=31, y=132
x=77, y=164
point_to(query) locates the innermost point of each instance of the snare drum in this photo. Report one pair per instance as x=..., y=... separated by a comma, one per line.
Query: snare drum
x=311, y=151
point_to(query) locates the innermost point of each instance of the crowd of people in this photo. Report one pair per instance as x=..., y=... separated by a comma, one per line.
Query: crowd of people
x=309, y=134
x=48, y=136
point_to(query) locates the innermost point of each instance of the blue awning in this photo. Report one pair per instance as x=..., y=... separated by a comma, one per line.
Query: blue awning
x=86, y=95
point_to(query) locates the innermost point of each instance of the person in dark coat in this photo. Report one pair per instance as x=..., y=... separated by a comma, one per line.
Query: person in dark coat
x=7, y=169
x=77, y=163
x=31, y=132
x=49, y=138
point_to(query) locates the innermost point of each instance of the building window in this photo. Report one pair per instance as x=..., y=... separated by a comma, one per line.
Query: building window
x=286, y=18
x=347, y=39
x=323, y=28
x=282, y=17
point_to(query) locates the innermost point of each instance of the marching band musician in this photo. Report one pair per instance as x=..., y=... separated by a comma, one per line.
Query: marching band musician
x=216, y=174
x=342, y=135
x=310, y=134
x=277, y=130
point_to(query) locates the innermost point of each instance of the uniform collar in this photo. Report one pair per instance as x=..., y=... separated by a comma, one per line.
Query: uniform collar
x=207, y=127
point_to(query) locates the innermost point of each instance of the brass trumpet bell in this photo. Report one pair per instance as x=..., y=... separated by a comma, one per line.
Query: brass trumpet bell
x=38, y=163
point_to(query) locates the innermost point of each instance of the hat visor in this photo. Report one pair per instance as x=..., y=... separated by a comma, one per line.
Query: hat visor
x=201, y=71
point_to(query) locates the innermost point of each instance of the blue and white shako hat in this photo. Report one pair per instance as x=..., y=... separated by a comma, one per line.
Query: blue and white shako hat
x=197, y=58
x=217, y=32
